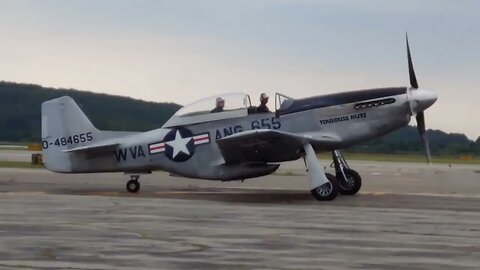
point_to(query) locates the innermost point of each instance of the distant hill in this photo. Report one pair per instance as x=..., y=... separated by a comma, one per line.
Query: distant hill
x=20, y=111
x=20, y=120
x=407, y=140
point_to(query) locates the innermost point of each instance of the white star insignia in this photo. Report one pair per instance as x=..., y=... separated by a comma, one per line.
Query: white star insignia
x=179, y=145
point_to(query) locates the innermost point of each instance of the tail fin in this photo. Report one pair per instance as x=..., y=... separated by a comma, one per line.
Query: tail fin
x=64, y=126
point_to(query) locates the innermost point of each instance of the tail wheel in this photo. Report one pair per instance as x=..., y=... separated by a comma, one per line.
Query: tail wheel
x=351, y=183
x=133, y=186
x=327, y=191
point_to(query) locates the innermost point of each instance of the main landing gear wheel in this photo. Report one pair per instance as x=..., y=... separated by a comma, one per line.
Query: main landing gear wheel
x=350, y=183
x=349, y=180
x=327, y=191
x=133, y=185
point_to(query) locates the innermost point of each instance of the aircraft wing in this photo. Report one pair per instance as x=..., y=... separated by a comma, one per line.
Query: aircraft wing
x=265, y=145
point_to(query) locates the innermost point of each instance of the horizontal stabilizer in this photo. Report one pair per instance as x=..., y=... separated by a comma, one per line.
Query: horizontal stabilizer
x=94, y=148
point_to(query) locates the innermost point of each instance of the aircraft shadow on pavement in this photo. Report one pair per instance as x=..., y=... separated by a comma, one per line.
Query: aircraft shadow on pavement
x=259, y=196
x=212, y=194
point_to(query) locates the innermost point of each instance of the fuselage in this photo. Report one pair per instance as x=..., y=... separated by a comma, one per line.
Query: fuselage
x=353, y=117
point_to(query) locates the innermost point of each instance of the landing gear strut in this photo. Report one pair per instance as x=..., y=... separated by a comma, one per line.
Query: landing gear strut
x=324, y=187
x=133, y=185
x=349, y=180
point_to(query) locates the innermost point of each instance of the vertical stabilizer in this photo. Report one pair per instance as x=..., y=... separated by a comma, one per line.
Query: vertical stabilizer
x=64, y=126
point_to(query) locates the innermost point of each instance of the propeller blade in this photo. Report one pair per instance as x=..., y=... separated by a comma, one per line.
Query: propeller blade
x=423, y=135
x=411, y=71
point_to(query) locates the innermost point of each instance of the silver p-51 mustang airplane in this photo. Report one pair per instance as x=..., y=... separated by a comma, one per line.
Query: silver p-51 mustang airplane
x=236, y=143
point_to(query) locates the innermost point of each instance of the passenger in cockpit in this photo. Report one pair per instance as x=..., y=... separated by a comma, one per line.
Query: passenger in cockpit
x=219, y=105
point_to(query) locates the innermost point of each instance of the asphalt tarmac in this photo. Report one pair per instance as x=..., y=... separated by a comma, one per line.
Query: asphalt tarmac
x=407, y=216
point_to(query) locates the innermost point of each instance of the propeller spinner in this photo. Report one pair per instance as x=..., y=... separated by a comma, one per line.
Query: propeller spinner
x=420, y=100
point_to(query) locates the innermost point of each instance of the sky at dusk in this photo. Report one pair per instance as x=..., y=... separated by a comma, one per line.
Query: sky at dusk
x=180, y=51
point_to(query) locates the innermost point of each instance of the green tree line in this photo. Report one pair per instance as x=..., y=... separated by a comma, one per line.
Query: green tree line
x=20, y=111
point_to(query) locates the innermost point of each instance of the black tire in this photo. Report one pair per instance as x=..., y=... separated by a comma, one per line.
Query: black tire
x=327, y=191
x=133, y=186
x=352, y=184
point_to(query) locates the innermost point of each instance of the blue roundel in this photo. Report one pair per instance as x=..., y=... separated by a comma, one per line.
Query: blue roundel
x=179, y=144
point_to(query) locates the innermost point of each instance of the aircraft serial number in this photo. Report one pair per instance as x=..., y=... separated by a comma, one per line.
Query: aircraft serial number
x=264, y=123
x=62, y=141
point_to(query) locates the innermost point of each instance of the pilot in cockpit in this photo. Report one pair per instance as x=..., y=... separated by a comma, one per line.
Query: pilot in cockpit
x=263, y=104
x=219, y=105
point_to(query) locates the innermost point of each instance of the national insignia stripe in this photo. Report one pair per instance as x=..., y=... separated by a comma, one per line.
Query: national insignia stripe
x=201, y=139
x=156, y=148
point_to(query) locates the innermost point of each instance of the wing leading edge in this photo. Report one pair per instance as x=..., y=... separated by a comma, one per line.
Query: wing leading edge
x=265, y=145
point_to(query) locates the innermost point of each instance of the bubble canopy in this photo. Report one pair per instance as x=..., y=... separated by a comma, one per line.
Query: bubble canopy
x=203, y=110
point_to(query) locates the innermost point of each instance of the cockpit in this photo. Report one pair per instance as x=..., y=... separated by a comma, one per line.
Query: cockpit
x=218, y=107
x=233, y=102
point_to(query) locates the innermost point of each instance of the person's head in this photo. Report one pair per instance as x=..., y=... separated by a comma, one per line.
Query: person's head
x=263, y=98
x=220, y=103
